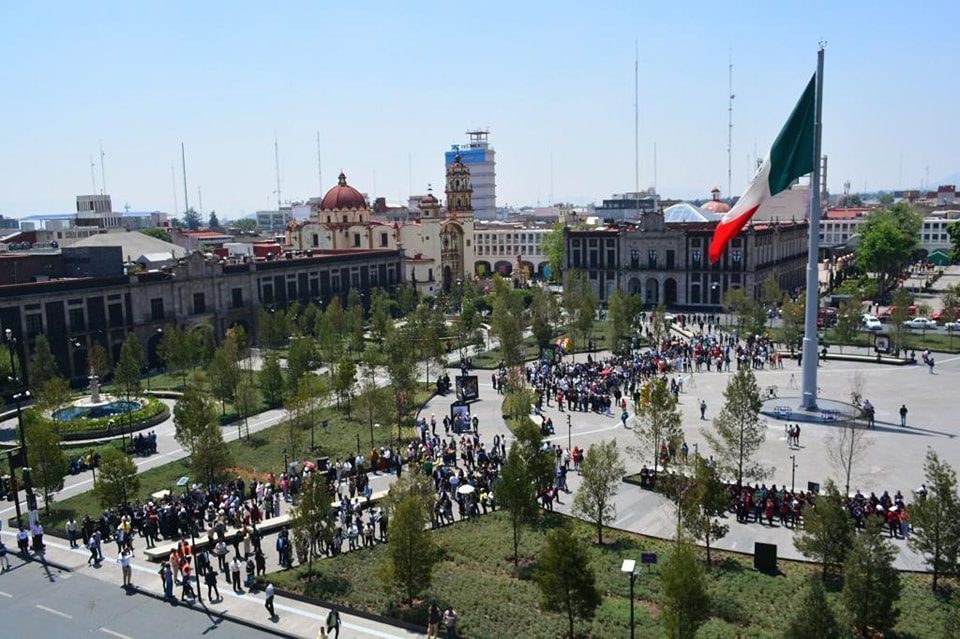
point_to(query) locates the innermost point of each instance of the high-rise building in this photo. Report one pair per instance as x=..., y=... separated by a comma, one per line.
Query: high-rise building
x=479, y=157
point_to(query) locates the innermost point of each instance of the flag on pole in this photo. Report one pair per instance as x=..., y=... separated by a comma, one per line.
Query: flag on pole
x=791, y=156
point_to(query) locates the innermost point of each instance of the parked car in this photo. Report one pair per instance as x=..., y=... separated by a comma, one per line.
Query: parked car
x=871, y=323
x=920, y=323
x=952, y=326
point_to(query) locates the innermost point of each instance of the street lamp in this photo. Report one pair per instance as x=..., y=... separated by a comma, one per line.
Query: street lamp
x=629, y=567
x=793, y=471
x=569, y=433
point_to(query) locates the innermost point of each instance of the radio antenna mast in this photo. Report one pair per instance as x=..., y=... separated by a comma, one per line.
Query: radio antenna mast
x=636, y=116
x=103, y=174
x=730, y=132
x=186, y=197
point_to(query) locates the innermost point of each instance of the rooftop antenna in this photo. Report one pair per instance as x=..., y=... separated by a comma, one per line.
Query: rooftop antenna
x=319, y=165
x=103, y=175
x=200, y=198
x=730, y=131
x=276, y=161
x=173, y=181
x=636, y=116
x=93, y=177
x=186, y=198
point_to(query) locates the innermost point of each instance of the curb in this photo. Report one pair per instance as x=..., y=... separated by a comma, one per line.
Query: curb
x=355, y=612
x=221, y=615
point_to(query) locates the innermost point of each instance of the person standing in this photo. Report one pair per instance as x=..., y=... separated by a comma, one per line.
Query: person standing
x=268, y=604
x=433, y=622
x=903, y=415
x=124, y=561
x=235, y=568
x=72, y=531
x=703, y=410
x=450, y=622
x=4, y=562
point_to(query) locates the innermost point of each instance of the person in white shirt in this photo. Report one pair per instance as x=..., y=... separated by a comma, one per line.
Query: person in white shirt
x=268, y=604
x=124, y=561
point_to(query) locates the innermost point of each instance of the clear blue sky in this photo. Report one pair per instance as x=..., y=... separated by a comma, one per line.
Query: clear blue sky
x=391, y=85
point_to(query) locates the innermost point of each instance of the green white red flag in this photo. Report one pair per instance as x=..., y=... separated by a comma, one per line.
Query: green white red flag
x=790, y=157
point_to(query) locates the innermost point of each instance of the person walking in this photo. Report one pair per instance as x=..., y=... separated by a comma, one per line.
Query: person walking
x=124, y=561
x=268, y=604
x=211, y=580
x=703, y=410
x=332, y=624
x=903, y=415
x=4, y=562
x=434, y=617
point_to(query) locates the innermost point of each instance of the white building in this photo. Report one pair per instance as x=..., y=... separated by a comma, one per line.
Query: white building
x=478, y=156
x=499, y=246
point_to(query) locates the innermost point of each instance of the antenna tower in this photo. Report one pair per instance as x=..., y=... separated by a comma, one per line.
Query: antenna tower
x=636, y=116
x=93, y=177
x=730, y=131
x=186, y=197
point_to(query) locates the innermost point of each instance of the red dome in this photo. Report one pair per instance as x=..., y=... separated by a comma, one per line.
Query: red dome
x=716, y=206
x=343, y=196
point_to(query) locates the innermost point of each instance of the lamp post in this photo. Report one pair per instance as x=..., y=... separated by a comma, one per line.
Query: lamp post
x=569, y=433
x=793, y=471
x=27, y=475
x=629, y=568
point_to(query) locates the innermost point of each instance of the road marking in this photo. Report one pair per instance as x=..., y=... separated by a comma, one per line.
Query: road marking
x=54, y=612
x=6, y=594
x=115, y=634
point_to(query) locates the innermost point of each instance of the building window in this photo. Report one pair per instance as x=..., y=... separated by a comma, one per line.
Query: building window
x=634, y=258
x=356, y=240
x=695, y=257
x=316, y=239
x=236, y=297
x=34, y=324
x=199, y=304
x=737, y=256
x=670, y=258
x=383, y=239
x=652, y=258
x=156, y=309
x=267, y=293
x=116, y=315
x=76, y=320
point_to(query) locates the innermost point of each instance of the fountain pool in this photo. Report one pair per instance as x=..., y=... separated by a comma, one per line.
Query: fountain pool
x=116, y=407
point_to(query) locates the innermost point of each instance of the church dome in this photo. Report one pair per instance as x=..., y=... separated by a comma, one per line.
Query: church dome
x=715, y=205
x=343, y=196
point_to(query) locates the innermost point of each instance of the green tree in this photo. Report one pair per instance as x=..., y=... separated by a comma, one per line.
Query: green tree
x=737, y=431
x=411, y=555
x=707, y=502
x=202, y=344
x=553, y=246
x=565, y=578
x=601, y=472
x=117, y=480
x=213, y=222
x=751, y=317
x=308, y=320
x=791, y=313
x=272, y=327
x=951, y=622
x=584, y=304
x=770, y=293
x=54, y=394
x=311, y=516
x=407, y=299
x=538, y=462
x=354, y=321
x=400, y=365
x=381, y=314
x=617, y=322
x=245, y=401
x=426, y=330
x=223, y=373
x=210, y=457
x=47, y=459
x=271, y=380
x=344, y=379
x=246, y=225
x=888, y=239
x=176, y=351
x=902, y=300
x=126, y=377
x=813, y=615
x=544, y=315
x=192, y=412
x=849, y=317
x=98, y=360
x=301, y=358
x=683, y=592
x=827, y=531
x=161, y=234
x=516, y=495
x=658, y=418
x=871, y=586
x=43, y=366
x=191, y=219
x=936, y=519
x=507, y=321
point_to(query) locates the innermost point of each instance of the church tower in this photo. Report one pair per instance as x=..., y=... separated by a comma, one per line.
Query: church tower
x=459, y=191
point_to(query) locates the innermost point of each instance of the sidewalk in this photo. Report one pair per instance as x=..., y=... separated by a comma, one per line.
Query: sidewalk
x=294, y=618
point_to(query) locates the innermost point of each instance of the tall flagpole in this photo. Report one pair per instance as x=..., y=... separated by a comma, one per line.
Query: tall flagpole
x=809, y=401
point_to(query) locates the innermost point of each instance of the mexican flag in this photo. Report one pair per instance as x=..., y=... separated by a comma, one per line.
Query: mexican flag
x=790, y=157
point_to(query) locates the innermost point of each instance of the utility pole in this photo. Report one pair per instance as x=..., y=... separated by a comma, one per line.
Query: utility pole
x=569, y=433
x=186, y=198
x=793, y=471
x=636, y=116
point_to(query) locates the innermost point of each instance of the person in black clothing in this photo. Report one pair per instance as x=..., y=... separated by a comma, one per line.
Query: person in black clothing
x=210, y=578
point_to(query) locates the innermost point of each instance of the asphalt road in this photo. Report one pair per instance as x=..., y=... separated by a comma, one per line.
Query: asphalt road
x=46, y=603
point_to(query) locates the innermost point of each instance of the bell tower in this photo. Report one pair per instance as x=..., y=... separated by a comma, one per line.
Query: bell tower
x=459, y=191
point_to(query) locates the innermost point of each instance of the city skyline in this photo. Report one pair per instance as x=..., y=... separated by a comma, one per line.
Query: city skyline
x=390, y=89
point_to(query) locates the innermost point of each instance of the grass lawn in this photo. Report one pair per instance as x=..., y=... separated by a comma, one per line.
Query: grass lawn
x=916, y=340
x=476, y=576
x=264, y=453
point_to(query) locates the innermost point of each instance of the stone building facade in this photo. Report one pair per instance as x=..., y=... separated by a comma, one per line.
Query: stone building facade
x=666, y=263
x=74, y=313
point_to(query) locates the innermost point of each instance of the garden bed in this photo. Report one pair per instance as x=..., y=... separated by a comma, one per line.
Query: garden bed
x=476, y=576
